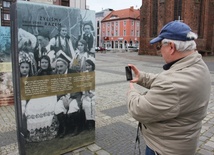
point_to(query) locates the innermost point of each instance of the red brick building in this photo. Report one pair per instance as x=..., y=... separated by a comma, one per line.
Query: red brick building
x=121, y=28
x=198, y=14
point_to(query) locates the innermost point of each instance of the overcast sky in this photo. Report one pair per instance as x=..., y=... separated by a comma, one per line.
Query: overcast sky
x=98, y=5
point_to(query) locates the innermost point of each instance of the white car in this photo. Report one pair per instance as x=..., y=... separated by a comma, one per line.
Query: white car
x=108, y=48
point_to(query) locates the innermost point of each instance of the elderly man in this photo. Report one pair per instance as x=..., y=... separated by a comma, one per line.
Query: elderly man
x=171, y=111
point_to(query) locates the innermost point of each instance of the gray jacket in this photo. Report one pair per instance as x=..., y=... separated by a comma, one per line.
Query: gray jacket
x=173, y=108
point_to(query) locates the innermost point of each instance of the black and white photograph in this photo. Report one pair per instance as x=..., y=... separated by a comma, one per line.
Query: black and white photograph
x=55, y=42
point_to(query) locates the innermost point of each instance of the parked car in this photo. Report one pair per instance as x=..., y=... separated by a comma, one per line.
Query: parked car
x=108, y=48
x=133, y=48
x=100, y=49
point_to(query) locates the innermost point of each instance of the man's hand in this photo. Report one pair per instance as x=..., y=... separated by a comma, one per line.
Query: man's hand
x=131, y=85
x=136, y=72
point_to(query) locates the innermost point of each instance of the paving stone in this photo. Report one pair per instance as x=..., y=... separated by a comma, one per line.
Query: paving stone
x=204, y=152
x=94, y=147
x=203, y=138
x=102, y=152
x=86, y=152
x=7, y=138
x=208, y=134
x=211, y=144
x=116, y=111
x=212, y=138
x=118, y=135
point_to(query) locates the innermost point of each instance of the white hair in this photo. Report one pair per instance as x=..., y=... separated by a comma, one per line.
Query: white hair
x=183, y=46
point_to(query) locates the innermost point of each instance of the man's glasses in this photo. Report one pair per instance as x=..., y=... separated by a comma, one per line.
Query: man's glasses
x=158, y=47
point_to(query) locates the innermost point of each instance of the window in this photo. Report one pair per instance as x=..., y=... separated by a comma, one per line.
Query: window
x=155, y=18
x=116, y=23
x=124, y=23
x=138, y=35
x=124, y=32
x=116, y=44
x=138, y=24
x=177, y=9
x=132, y=23
x=6, y=16
x=6, y=4
x=116, y=33
x=132, y=32
x=108, y=33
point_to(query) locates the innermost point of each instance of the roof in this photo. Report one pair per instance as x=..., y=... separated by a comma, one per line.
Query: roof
x=129, y=13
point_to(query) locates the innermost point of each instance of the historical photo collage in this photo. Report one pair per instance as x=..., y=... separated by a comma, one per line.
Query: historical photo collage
x=56, y=47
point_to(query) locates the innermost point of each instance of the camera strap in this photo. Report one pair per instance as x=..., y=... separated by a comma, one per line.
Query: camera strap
x=137, y=140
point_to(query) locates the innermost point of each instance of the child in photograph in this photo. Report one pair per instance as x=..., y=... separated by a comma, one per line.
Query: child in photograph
x=81, y=54
x=25, y=71
x=75, y=114
x=88, y=99
x=67, y=111
x=88, y=105
x=90, y=65
x=25, y=67
x=26, y=45
x=62, y=41
x=88, y=35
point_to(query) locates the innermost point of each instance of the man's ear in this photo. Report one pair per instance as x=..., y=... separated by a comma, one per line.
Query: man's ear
x=172, y=48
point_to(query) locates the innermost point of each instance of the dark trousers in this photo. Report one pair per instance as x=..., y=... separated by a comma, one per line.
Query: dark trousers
x=150, y=151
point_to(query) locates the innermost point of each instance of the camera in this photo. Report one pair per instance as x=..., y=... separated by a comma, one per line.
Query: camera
x=128, y=73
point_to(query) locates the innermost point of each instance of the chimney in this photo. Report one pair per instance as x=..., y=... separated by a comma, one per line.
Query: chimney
x=132, y=8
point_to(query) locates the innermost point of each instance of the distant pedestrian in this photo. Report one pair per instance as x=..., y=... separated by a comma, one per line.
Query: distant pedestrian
x=172, y=110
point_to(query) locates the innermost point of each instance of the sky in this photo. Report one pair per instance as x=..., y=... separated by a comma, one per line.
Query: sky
x=98, y=5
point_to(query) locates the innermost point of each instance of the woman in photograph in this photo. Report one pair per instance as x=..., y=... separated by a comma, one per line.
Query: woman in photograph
x=45, y=66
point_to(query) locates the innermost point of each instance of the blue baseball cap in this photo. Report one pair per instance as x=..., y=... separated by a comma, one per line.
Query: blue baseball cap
x=174, y=30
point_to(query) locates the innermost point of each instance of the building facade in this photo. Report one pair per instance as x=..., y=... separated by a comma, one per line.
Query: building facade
x=5, y=7
x=121, y=28
x=5, y=12
x=99, y=17
x=198, y=14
